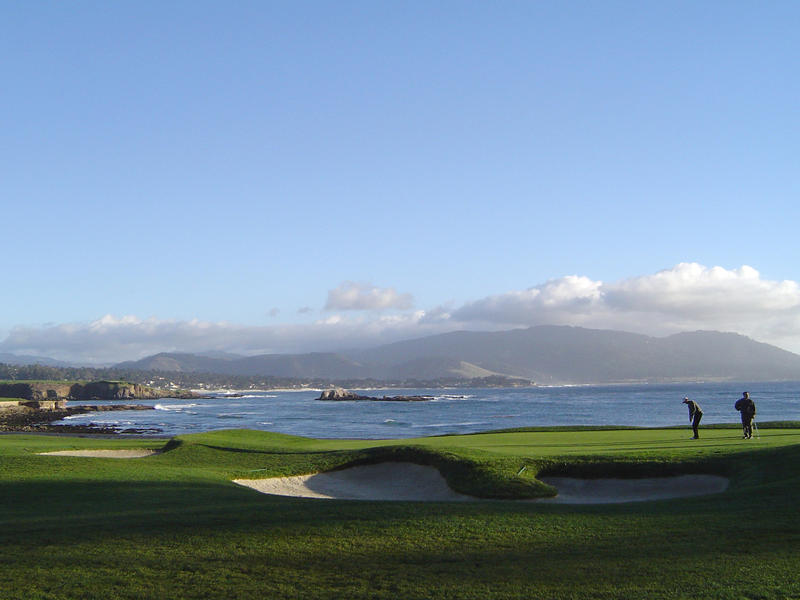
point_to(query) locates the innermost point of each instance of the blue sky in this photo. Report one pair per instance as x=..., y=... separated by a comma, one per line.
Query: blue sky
x=290, y=176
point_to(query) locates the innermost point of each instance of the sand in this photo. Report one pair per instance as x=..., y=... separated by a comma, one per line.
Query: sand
x=408, y=481
x=130, y=453
x=384, y=481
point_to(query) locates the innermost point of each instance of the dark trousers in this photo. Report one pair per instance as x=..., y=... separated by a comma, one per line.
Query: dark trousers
x=747, y=425
x=696, y=422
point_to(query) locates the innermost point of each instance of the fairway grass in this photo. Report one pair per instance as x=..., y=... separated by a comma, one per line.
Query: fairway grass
x=173, y=525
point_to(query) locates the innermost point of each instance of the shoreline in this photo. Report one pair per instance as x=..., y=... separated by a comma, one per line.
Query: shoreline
x=99, y=436
x=32, y=420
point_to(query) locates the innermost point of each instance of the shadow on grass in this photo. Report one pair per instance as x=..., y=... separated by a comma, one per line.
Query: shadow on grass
x=408, y=550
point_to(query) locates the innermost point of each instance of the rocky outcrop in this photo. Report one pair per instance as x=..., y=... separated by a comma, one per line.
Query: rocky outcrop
x=95, y=390
x=25, y=417
x=344, y=395
x=44, y=404
x=339, y=394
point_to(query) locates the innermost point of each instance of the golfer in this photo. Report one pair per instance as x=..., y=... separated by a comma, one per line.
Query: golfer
x=747, y=410
x=695, y=414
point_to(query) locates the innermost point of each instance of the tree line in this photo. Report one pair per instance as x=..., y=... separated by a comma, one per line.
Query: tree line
x=196, y=380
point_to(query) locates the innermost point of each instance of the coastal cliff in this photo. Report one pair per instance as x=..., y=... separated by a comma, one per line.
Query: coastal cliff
x=94, y=390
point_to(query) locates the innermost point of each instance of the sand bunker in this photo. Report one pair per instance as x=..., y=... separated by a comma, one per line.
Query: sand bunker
x=607, y=491
x=129, y=453
x=384, y=481
x=409, y=481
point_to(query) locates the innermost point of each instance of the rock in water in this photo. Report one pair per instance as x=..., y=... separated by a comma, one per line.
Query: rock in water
x=342, y=394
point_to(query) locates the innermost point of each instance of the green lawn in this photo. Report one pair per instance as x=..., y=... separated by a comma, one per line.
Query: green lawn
x=174, y=526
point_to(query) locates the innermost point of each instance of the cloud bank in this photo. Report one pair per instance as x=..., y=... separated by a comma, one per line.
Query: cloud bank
x=686, y=297
x=113, y=339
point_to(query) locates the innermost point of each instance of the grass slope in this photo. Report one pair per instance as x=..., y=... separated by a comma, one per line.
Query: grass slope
x=173, y=525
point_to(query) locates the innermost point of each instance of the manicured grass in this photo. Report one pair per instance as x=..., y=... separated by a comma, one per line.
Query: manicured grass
x=173, y=526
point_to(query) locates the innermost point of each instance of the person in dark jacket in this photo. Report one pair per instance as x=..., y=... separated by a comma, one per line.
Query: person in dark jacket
x=695, y=414
x=747, y=410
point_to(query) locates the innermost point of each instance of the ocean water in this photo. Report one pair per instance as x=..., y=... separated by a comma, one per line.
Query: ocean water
x=454, y=410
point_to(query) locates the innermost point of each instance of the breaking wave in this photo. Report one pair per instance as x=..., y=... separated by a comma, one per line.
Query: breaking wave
x=176, y=407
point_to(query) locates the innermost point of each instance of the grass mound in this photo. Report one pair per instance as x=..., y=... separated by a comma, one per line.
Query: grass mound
x=486, y=478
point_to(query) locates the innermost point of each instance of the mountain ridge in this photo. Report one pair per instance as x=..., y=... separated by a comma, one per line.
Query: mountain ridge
x=547, y=354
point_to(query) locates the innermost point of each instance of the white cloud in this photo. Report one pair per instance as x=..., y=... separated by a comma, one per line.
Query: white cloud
x=693, y=290
x=556, y=301
x=686, y=297
x=357, y=296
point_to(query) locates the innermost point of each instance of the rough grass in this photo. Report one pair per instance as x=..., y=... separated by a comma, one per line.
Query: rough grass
x=173, y=526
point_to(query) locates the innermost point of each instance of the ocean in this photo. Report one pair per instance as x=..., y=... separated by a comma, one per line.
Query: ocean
x=462, y=410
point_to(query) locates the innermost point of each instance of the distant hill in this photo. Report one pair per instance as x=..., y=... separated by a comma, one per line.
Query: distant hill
x=18, y=359
x=545, y=354
x=178, y=362
x=561, y=354
x=326, y=365
x=315, y=365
